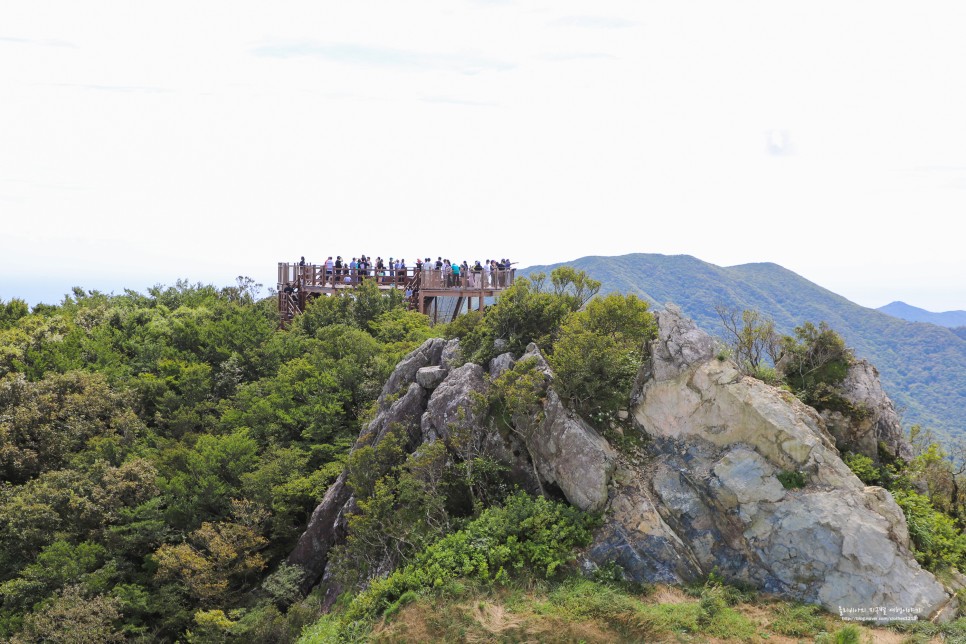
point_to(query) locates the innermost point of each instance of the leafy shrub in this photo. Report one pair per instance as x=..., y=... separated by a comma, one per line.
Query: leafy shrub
x=791, y=480
x=528, y=534
x=864, y=468
x=598, y=353
x=938, y=542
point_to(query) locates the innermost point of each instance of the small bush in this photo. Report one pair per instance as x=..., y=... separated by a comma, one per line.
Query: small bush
x=938, y=542
x=791, y=480
x=527, y=535
x=864, y=468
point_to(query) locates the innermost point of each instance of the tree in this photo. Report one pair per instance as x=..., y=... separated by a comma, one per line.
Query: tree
x=527, y=312
x=218, y=556
x=814, y=363
x=598, y=354
x=752, y=338
x=73, y=617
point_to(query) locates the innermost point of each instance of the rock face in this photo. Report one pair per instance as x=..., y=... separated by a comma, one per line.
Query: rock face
x=710, y=496
x=430, y=398
x=880, y=425
x=736, y=476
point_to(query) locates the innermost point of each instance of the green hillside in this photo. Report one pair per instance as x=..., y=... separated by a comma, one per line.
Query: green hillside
x=923, y=366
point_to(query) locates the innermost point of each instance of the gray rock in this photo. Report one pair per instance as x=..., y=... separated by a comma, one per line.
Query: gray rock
x=680, y=344
x=571, y=454
x=566, y=451
x=719, y=442
x=454, y=404
x=501, y=363
x=452, y=356
x=429, y=377
x=881, y=425
x=326, y=528
x=428, y=354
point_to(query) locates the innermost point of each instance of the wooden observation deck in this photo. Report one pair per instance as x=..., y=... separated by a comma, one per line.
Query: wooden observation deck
x=431, y=291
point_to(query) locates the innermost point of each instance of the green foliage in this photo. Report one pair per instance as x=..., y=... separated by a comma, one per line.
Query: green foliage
x=527, y=313
x=751, y=338
x=937, y=539
x=399, y=513
x=798, y=620
x=11, y=312
x=814, y=362
x=527, y=535
x=73, y=617
x=792, y=480
x=134, y=426
x=849, y=634
x=516, y=394
x=599, y=352
x=864, y=468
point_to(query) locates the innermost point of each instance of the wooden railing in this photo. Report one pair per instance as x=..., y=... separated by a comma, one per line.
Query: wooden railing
x=315, y=275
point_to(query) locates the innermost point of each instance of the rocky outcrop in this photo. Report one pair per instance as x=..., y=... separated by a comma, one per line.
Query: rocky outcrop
x=712, y=494
x=735, y=475
x=431, y=397
x=567, y=452
x=876, y=422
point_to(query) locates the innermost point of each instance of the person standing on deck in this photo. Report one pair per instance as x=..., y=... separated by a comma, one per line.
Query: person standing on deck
x=328, y=268
x=456, y=274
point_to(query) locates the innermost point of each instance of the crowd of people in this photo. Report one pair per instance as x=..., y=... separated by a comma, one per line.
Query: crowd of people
x=489, y=274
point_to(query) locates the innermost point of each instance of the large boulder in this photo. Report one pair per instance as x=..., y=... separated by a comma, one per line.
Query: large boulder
x=875, y=425
x=745, y=479
x=567, y=451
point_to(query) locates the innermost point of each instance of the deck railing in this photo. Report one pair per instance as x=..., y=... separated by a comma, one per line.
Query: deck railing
x=430, y=278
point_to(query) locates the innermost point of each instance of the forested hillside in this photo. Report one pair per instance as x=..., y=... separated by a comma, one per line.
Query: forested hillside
x=922, y=365
x=161, y=453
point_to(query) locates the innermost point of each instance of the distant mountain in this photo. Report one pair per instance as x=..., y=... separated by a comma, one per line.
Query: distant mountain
x=922, y=366
x=911, y=313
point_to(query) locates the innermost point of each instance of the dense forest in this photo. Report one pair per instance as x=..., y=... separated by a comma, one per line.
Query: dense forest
x=162, y=453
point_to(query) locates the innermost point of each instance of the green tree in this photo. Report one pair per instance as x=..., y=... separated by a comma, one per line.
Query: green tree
x=599, y=352
x=814, y=363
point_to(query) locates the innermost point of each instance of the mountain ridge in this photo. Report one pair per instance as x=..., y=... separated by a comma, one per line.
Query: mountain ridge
x=921, y=364
x=899, y=309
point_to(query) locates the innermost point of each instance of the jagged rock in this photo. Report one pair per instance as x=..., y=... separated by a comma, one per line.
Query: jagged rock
x=453, y=407
x=880, y=423
x=719, y=442
x=705, y=491
x=680, y=344
x=501, y=363
x=451, y=356
x=636, y=538
x=428, y=354
x=430, y=377
x=565, y=449
x=403, y=413
x=327, y=527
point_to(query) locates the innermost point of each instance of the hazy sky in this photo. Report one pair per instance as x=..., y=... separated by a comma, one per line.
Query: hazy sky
x=142, y=142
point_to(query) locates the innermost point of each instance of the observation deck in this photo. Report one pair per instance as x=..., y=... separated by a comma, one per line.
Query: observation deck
x=437, y=293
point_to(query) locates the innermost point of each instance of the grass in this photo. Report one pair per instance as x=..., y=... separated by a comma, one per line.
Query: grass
x=583, y=610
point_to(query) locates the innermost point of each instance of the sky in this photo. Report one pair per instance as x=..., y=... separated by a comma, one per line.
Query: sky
x=146, y=142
